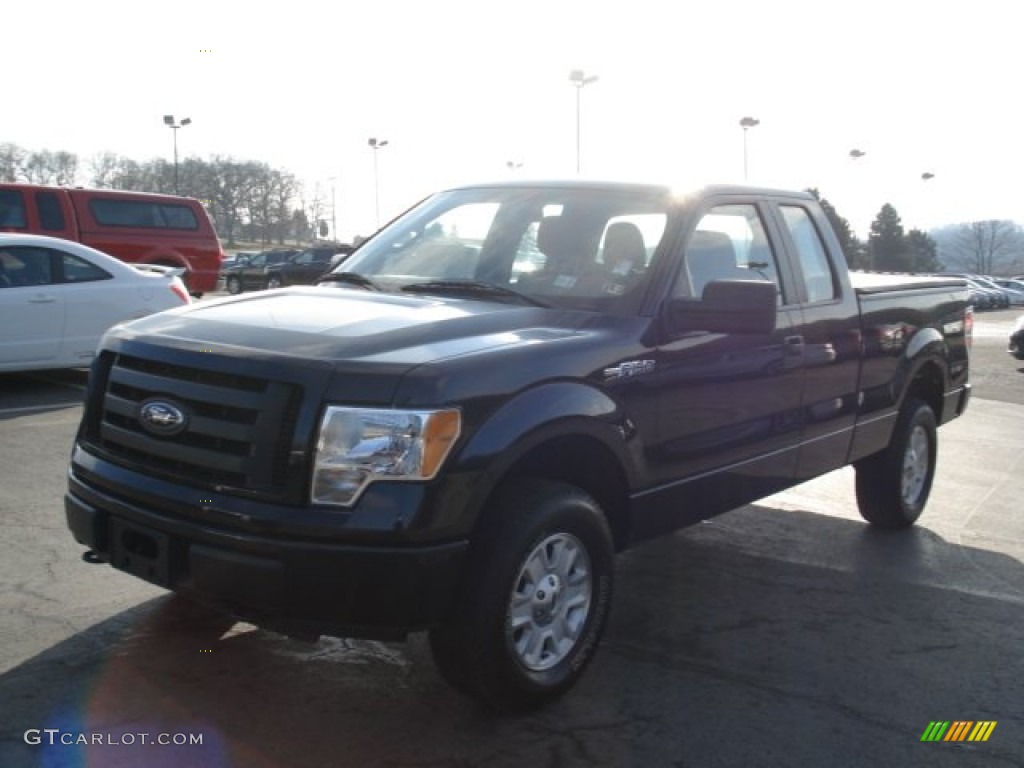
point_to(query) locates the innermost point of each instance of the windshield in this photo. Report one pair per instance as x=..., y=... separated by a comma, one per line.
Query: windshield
x=578, y=248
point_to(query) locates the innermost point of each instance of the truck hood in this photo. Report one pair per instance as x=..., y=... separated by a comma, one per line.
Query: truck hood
x=353, y=326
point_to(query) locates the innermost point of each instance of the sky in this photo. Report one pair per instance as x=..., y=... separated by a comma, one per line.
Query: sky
x=460, y=88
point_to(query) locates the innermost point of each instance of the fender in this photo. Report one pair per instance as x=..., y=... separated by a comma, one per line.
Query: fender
x=541, y=413
x=873, y=431
x=926, y=346
x=531, y=418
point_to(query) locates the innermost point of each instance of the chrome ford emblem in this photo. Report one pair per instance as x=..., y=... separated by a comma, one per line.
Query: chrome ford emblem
x=162, y=417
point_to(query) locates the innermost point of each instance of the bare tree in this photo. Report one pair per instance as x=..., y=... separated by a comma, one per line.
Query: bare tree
x=981, y=247
x=12, y=158
x=283, y=193
x=103, y=168
x=46, y=167
x=315, y=208
x=37, y=168
x=65, y=168
x=229, y=184
x=260, y=202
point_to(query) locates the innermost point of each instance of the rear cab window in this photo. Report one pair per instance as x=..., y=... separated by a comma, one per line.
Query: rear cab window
x=142, y=214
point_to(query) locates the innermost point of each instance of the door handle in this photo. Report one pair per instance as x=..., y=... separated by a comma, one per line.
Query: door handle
x=42, y=298
x=794, y=345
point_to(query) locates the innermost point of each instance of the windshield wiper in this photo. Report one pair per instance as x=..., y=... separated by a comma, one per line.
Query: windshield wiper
x=473, y=288
x=353, y=278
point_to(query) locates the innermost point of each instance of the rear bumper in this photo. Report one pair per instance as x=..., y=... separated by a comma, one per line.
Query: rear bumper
x=292, y=585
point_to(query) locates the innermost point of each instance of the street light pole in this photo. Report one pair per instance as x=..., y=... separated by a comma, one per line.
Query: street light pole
x=334, y=216
x=169, y=122
x=746, y=123
x=580, y=80
x=376, y=144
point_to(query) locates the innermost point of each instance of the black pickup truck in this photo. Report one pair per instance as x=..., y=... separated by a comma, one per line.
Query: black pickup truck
x=462, y=424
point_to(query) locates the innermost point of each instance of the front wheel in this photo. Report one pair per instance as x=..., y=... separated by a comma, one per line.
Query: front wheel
x=535, y=600
x=893, y=485
x=233, y=285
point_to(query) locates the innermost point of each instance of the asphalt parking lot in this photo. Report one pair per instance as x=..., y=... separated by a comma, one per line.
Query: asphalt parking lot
x=784, y=633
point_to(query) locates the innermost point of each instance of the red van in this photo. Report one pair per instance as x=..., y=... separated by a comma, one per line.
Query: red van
x=135, y=227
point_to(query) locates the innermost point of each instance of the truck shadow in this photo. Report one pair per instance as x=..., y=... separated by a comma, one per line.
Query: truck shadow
x=764, y=637
x=41, y=392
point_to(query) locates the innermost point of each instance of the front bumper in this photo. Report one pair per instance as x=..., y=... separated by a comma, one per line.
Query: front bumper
x=295, y=585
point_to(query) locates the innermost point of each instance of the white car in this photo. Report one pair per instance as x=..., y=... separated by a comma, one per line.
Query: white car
x=57, y=298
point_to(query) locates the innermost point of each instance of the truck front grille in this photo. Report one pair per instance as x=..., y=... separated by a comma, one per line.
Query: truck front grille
x=238, y=430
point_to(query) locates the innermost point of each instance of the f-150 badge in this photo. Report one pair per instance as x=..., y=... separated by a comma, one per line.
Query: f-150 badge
x=628, y=369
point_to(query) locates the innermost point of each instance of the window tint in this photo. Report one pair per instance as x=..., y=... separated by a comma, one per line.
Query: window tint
x=25, y=266
x=135, y=213
x=729, y=244
x=77, y=270
x=12, y=208
x=51, y=217
x=818, y=276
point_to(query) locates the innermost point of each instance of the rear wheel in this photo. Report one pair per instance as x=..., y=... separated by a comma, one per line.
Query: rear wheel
x=233, y=285
x=274, y=281
x=536, y=598
x=893, y=485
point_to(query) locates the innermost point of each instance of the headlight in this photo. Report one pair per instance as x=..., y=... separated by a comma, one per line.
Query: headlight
x=359, y=445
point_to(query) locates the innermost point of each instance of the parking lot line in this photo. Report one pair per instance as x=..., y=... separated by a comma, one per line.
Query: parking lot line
x=32, y=408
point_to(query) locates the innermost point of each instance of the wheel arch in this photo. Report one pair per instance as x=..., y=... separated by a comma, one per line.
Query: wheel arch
x=928, y=383
x=586, y=463
x=562, y=431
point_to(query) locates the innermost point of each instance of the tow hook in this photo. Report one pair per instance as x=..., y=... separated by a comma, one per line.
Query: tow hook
x=91, y=557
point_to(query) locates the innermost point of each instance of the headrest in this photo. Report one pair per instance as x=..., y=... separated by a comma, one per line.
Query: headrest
x=624, y=242
x=554, y=236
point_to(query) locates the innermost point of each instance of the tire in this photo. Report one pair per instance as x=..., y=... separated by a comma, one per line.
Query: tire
x=275, y=281
x=536, y=597
x=233, y=285
x=893, y=485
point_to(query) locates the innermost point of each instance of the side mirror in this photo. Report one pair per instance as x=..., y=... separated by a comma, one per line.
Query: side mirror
x=728, y=306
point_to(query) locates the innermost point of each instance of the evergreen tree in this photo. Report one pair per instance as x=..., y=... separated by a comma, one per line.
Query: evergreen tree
x=887, y=243
x=923, y=252
x=851, y=245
